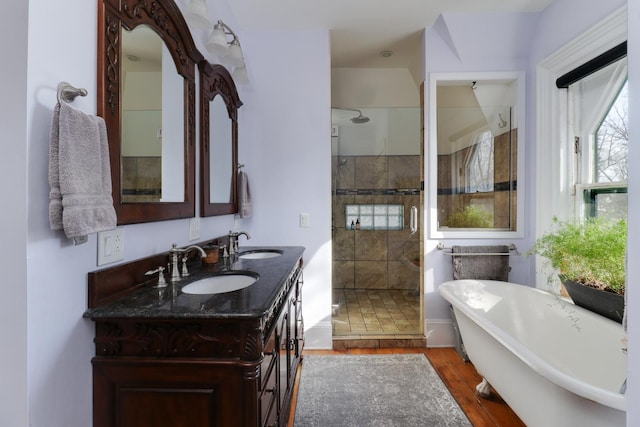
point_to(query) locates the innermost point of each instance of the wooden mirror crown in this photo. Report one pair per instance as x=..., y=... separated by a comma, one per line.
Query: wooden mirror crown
x=219, y=155
x=165, y=19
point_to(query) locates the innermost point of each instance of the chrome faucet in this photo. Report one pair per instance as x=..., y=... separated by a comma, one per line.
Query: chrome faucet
x=233, y=241
x=174, y=258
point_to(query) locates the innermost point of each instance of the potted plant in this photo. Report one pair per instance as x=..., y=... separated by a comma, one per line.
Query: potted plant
x=590, y=259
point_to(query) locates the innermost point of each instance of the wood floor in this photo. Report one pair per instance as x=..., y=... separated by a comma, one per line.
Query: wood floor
x=460, y=377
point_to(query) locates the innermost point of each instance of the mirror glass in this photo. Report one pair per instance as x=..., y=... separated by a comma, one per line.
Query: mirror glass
x=221, y=154
x=219, y=103
x=152, y=147
x=476, y=139
x=146, y=96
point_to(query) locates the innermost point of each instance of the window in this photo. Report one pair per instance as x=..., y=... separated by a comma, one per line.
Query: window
x=479, y=164
x=599, y=123
x=612, y=140
x=374, y=217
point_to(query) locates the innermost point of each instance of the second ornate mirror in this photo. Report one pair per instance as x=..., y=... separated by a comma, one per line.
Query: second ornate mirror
x=219, y=103
x=146, y=95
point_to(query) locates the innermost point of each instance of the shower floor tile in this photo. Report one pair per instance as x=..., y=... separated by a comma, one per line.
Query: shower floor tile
x=376, y=312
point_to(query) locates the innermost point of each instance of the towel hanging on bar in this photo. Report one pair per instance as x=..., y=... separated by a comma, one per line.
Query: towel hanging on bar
x=245, y=205
x=472, y=262
x=80, y=201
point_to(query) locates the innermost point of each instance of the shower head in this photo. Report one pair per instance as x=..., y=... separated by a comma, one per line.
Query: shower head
x=360, y=118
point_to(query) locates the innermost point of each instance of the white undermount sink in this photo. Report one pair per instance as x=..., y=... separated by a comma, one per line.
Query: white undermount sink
x=220, y=284
x=260, y=254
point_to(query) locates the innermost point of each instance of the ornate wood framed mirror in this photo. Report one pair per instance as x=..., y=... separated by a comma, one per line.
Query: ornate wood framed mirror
x=146, y=95
x=219, y=103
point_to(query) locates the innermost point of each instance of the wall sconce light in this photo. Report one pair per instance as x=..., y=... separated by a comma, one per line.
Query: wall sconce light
x=240, y=75
x=197, y=14
x=228, y=52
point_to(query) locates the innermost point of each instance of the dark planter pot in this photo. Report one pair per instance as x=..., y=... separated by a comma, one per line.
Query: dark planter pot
x=607, y=304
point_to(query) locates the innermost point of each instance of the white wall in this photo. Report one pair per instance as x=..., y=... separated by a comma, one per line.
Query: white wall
x=633, y=247
x=285, y=145
x=453, y=45
x=369, y=87
x=13, y=227
x=59, y=340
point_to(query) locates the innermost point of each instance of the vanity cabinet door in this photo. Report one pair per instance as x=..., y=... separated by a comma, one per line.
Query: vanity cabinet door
x=283, y=326
x=292, y=341
x=159, y=394
x=299, y=326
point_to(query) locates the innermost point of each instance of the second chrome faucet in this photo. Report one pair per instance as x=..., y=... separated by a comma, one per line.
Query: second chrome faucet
x=233, y=240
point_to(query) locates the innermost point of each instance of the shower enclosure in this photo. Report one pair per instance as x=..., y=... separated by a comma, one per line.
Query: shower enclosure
x=376, y=238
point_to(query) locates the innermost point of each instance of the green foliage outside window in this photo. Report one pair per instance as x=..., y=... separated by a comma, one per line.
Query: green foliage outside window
x=471, y=217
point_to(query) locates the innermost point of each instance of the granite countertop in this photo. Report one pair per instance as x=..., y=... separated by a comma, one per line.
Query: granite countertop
x=170, y=303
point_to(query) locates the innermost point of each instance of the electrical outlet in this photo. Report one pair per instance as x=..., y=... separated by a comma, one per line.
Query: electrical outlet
x=110, y=246
x=194, y=228
x=305, y=220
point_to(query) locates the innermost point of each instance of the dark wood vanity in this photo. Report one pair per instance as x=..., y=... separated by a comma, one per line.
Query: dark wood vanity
x=166, y=358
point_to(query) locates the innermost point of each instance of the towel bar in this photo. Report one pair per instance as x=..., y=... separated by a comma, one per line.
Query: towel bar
x=67, y=93
x=512, y=248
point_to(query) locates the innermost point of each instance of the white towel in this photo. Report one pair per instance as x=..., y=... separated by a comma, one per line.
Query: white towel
x=80, y=199
x=245, y=206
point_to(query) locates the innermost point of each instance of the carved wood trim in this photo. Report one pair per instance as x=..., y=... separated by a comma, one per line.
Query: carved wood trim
x=168, y=339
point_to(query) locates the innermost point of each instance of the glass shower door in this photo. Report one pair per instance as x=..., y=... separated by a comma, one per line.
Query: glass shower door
x=377, y=174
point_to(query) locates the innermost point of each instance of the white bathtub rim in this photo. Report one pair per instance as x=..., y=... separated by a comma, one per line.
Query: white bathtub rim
x=579, y=387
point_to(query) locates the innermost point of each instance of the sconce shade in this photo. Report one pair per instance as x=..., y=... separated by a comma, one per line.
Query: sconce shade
x=240, y=75
x=235, y=57
x=197, y=14
x=217, y=42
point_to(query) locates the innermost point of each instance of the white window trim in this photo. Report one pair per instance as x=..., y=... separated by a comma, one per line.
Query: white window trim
x=580, y=188
x=554, y=175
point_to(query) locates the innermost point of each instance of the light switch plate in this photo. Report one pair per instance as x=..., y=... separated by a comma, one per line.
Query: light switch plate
x=305, y=220
x=110, y=246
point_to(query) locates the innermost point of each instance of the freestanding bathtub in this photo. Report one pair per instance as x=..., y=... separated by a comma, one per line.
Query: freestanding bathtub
x=555, y=364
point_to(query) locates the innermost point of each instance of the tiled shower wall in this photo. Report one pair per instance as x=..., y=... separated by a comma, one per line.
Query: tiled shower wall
x=141, y=179
x=451, y=200
x=375, y=259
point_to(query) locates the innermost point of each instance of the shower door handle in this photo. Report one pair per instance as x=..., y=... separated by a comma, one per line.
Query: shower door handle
x=413, y=220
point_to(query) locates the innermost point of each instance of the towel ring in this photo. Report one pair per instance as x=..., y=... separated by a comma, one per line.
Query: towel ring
x=67, y=93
